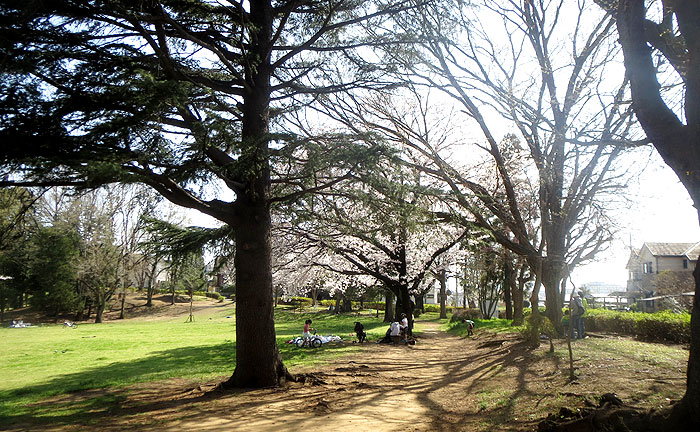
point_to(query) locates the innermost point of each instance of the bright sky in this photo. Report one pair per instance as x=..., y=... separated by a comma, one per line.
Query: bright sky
x=663, y=212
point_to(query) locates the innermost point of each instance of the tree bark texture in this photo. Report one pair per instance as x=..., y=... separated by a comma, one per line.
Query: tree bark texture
x=99, y=310
x=389, y=307
x=509, y=286
x=403, y=304
x=442, y=278
x=258, y=362
x=519, y=294
x=678, y=144
x=551, y=279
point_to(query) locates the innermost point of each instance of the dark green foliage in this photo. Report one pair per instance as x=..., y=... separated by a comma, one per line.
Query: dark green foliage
x=51, y=272
x=537, y=325
x=16, y=225
x=167, y=239
x=461, y=314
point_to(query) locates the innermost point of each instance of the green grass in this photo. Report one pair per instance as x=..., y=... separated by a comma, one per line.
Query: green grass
x=495, y=325
x=52, y=360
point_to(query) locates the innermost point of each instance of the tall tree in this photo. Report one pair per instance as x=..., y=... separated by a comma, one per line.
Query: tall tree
x=661, y=45
x=181, y=95
x=384, y=227
x=565, y=115
x=17, y=225
x=51, y=270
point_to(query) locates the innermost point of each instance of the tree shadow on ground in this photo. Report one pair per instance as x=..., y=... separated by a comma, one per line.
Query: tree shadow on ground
x=86, y=396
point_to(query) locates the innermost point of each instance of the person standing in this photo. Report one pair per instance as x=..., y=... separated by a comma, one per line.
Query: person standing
x=577, y=310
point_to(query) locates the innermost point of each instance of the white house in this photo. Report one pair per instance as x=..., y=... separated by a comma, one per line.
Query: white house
x=653, y=259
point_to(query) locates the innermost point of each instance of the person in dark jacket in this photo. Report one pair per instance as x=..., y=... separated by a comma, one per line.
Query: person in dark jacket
x=577, y=311
x=360, y=332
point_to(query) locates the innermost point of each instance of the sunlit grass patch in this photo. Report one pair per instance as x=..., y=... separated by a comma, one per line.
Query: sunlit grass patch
x=52, y=360
x=495, y=325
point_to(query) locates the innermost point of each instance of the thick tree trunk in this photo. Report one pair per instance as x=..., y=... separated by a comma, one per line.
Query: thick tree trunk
x=343, y=304
x=151, y=284
x=149, y=295
x=442, y=278
x=518, y=298
x=389, y=307
x=689, y=406
x=551, y=279
x=336, y=308
x=509, y=286
x=258, y=362
x=121, y=308
x=536, y=265
x=420, y=303
x=404, y=305
x=677, y=143
x=99, y=310
x=519, y=294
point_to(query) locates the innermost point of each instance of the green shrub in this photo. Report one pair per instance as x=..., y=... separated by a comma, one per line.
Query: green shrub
x=214, y=295
x=301, y=302
x=375, y=305
x=666, y=326
x=536, y=325
x=660, y=326
x=461, y=314
x=436, y=308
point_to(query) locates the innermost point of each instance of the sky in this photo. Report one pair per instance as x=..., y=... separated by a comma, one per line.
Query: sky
x=661, y=212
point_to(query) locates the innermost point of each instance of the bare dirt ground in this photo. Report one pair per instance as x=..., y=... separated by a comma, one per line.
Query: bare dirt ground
x=443, y=383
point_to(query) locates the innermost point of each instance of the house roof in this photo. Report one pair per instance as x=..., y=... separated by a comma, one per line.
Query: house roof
x=693, y=252
x=690, y=250
x=633, y=260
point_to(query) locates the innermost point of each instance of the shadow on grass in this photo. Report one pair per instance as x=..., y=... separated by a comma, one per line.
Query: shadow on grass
x=492, y=325
x=22, y=405
x=81, y=397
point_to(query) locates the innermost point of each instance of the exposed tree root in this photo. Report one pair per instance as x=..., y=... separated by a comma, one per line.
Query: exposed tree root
x=611, y=415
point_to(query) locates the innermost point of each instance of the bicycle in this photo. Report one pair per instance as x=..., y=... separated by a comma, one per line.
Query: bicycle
x=313, y=342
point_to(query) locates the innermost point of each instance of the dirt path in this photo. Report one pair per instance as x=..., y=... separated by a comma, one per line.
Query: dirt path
x=443, y=383
x=425, y=387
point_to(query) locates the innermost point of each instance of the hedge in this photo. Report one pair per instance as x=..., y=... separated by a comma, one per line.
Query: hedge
x=469, y=313
x=662, y=326
x=306, y=302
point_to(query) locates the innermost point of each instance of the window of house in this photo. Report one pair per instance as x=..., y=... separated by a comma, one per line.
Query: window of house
x=647, y=268
x=685, y=264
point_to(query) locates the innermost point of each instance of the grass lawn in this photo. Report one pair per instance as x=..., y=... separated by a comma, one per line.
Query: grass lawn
x=495, y=325
x=51, y=360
